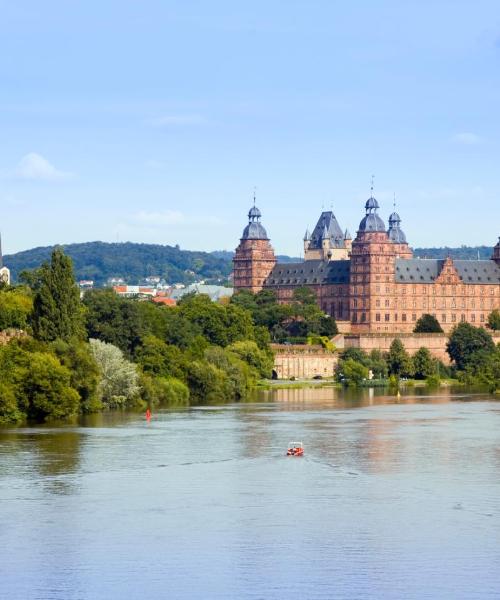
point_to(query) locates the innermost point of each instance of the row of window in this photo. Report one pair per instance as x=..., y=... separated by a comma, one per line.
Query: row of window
x=406, y=317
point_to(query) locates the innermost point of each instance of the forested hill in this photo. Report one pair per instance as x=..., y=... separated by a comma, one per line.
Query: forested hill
x=464, y=252
x=99, y=261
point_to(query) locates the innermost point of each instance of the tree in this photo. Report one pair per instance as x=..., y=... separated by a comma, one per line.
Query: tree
x=304, y=295
x=45, y=391
x=428, y=324
x=85, y=375
x=57, y=311
x=465, y=341
x=423, y=363
x=16, y=305
x=254, y=356
x=113, y=319
x=119, y=379
x=353, y=372
x=398, y=360
x=494, y=320
x=161, y=359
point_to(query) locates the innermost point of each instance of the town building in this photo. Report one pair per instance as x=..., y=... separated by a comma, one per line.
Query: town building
x=4, y=271
x=372, y=284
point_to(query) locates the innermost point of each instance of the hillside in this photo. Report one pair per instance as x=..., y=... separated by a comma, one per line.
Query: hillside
x=132, y=262
x=99, y=261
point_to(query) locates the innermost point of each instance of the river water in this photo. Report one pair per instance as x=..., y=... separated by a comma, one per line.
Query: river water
x=393, y=499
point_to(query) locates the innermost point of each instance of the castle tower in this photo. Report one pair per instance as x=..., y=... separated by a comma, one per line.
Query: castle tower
x=372, y=274
x=398, y=238
x=326, y=241
x=4, y=271
x=254, y=257
x=496, y=253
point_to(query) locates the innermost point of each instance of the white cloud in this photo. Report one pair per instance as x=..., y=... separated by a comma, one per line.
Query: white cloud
x=177, y=120
x=467, y=138
x=35, y=167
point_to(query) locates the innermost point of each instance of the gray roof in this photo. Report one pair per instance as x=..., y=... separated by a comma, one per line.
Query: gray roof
x=396, y=234
x=371, y=203
x=309, y=272
x=327, y=225
x=254, y=231
x=426, y=270
x=215, y=292
x=372, y=222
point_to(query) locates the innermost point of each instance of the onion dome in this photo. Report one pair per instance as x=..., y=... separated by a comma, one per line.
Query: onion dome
x=254, y=213
x=254, y=230
x=395, y=232
x=371, y=222
x=371, y=204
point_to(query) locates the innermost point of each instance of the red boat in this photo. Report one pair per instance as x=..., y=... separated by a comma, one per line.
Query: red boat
x=295, y=449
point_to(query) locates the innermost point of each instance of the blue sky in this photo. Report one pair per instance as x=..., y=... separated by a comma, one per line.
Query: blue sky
x=152, y=121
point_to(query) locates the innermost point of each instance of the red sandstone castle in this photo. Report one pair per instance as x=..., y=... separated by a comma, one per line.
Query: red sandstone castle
x=372, y=283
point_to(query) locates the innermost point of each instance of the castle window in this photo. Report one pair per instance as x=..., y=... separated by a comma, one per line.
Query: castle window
x=453, y=318
x=462, y=318
x=414, y=317
x=473, y=318
x=403, y=317
x=363, y=317
x=396, y=317
x=377, y=317
x=387, y=303
x=482, y=318
x=387, y=317
x=443, y=318
x=377, y=303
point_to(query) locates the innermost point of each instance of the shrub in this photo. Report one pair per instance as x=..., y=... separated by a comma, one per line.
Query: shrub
x=428, y=324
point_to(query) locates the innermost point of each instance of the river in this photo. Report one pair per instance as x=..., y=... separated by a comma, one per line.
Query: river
x=393, y=499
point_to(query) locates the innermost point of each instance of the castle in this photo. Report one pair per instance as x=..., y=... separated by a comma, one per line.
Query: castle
x=371, y=284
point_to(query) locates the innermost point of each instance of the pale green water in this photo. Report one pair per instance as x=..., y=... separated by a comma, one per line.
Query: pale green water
x=391, y=500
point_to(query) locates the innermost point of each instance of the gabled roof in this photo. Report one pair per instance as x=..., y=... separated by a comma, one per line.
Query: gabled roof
x=427, y=270
x=327, y=223
x=309, y=272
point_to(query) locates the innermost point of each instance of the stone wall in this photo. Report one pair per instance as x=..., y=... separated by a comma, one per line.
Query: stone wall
x=302, y=362
x=435, y=342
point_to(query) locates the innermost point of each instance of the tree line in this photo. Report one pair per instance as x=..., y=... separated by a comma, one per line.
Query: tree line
x=107, y=351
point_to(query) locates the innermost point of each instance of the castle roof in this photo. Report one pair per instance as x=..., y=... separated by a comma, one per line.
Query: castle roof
x=254, y=230
x=426, y=270
x=327, y=227
x=309, y=272
x=371, y=222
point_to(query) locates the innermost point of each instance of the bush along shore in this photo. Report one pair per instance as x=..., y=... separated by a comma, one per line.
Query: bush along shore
x=61, y=356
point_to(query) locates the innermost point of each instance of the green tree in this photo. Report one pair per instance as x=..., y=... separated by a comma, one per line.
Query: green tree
x=398, y=360
x=113, y=319
x=163, y=391
x=16, y=305
x=119, y=383
x=424, y=364
x=428, y=324
x=156, y=357
x=378, y=364
x=85, y=374
x=44, y=391
x=465, y=341
x=304, y=295
x=494, y=320
x=207, y=383
x=57, y=310
x=254, y=356
x=9, y=409
x=352, y=372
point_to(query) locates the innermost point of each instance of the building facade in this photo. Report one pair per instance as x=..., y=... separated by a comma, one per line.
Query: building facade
x=372, y=284
x=4, y=271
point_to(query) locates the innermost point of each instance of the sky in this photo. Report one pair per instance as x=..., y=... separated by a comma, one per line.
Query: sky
x=154, y=121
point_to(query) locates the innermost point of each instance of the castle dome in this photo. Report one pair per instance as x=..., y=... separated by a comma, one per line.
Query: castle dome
x=254, y=213
x=254, y=230
x=371, y=222
x=394, y=218
x=371, y=204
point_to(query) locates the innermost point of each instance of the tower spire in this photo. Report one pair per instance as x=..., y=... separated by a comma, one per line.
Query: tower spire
x=371, y=187
x=394, y=202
